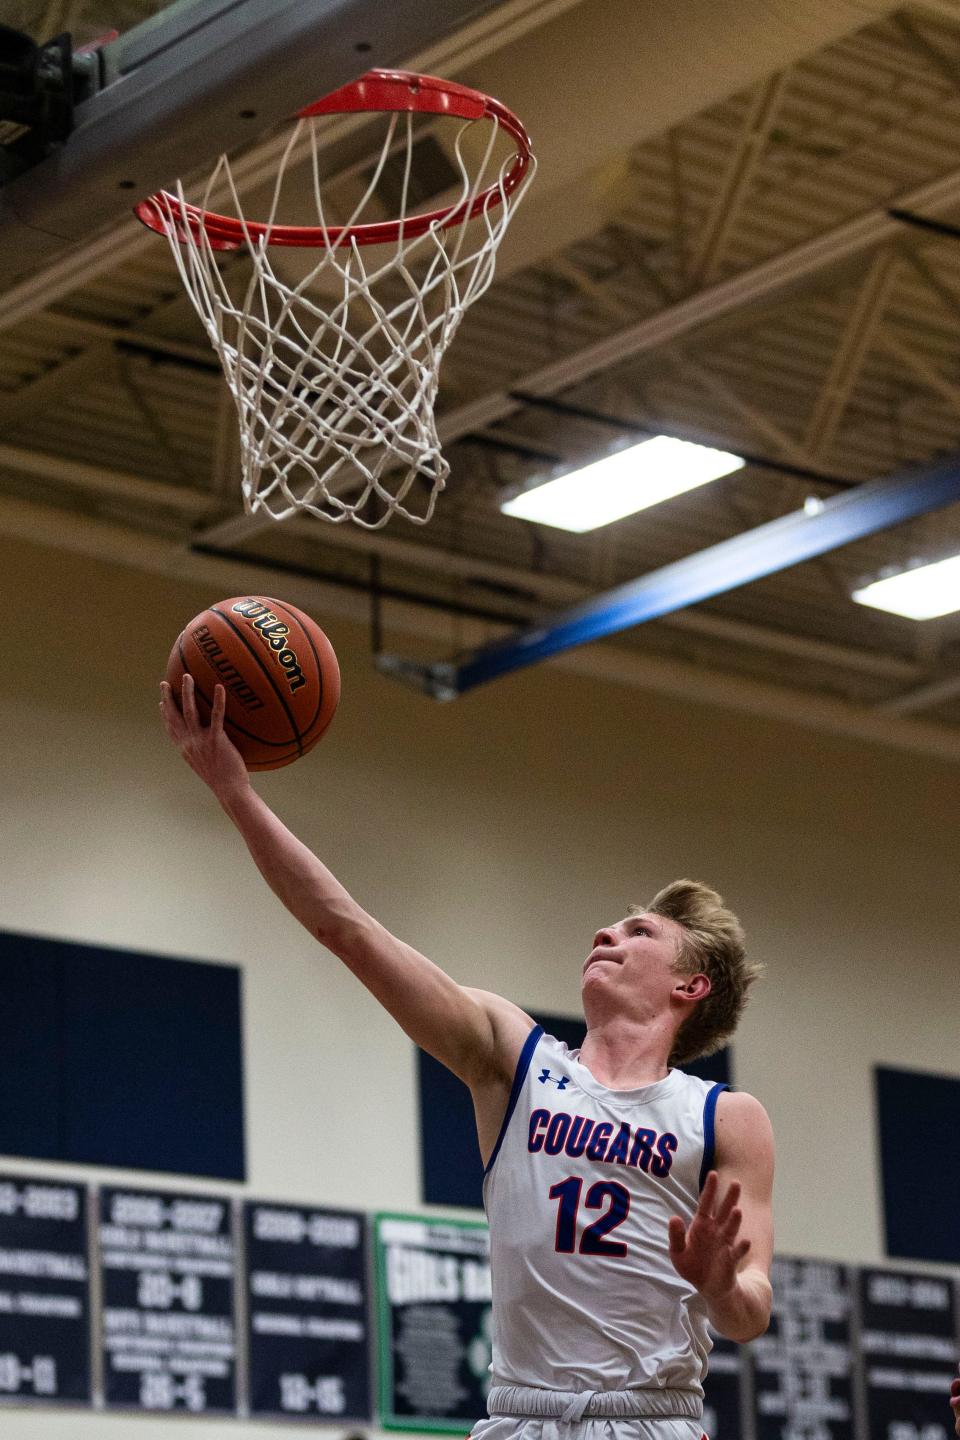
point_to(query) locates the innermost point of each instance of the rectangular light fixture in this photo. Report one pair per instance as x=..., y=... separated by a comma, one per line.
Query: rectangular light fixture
x=621, y=484
x=920, y=594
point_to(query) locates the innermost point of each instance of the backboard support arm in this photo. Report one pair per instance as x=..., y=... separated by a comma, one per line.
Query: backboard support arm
x=203, y=73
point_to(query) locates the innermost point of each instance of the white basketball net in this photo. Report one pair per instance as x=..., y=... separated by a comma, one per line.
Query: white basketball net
x=335, y=392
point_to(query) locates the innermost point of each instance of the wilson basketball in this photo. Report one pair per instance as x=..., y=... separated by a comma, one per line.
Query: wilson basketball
x=279, y=671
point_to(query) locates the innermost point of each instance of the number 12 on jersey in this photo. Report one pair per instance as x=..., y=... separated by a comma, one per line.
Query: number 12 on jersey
x=592, y=1240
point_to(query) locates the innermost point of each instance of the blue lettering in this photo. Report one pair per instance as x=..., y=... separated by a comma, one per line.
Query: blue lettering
x=556, y=1133
x=617, y=1154
x=580, y=1132
x=598, y=1143
x=538, y=1120
x=666, y=1149
x=642, y=1152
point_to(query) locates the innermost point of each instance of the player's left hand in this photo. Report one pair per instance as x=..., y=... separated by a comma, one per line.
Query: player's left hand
x=955, y=1405
x=708, y=1252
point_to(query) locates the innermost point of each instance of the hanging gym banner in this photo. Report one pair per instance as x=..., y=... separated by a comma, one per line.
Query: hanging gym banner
x=44, y=1292
x=803, y=1380
x=167, y=1284
x=433, y=1308
x=908, y=1350
x=308, y=1333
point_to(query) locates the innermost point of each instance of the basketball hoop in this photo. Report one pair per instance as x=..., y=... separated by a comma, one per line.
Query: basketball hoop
x=335, y=374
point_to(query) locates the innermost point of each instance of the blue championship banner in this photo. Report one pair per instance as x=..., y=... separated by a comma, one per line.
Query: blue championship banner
x=433, y=1307
x=803, y=1365
x=722, y=1404
x=44, y=1292
x=909, y=1353
x=308, y=1341
x=166, y=1274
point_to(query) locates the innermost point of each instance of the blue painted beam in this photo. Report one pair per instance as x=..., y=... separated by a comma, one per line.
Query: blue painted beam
x=769, y=548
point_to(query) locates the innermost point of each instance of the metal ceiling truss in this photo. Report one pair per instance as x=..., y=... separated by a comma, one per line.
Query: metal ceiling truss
x=762, y=110
x=850, y=355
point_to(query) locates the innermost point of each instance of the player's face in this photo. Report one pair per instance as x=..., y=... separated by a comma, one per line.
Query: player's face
x=637, y=956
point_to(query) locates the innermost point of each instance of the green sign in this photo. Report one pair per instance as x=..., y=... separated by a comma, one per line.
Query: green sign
x=433, y=1304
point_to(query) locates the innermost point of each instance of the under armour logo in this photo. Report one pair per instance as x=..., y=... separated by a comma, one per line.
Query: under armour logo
x=561, y=1084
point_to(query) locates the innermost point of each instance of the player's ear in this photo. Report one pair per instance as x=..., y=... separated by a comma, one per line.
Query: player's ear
x=693, y=987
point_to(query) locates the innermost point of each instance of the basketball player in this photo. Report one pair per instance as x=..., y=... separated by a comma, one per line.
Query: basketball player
x=628, y=1202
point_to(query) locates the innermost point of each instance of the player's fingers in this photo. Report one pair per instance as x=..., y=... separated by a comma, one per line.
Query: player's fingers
x=728, y=1202
x=677, y=1233
x=740, y=1250
x=219, y=706
x=188, y=702
x=731, y=1225
x=708, y=1194
x=169, y=712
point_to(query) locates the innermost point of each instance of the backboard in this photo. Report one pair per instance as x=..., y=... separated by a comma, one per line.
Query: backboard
x=225, y=70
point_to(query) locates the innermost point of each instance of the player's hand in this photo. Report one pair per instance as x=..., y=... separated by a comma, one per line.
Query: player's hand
x=955, y=1405
x=708, y=1252
x=207, y=749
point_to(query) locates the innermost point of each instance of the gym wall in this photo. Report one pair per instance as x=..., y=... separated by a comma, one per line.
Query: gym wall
x=495, y=834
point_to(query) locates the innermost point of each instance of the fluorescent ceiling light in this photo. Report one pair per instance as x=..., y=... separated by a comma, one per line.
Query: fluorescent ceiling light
x=920, y=594
x=622, y=484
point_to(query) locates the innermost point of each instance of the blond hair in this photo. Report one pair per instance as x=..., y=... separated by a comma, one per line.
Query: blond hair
x=712, y=944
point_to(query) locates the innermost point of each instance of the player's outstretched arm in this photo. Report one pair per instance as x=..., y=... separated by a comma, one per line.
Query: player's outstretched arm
x=727, y=1249
x=474, y=1035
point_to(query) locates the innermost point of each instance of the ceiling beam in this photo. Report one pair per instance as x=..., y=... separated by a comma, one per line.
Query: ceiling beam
x=46, y=389
x=745, y=156
x=935, y=692
x=856, y=339
x=926, y=373
x=94, y=480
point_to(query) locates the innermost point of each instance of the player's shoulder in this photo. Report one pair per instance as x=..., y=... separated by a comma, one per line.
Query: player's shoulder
x=501, y=1009
x=510, y=1025
x=742, y=1123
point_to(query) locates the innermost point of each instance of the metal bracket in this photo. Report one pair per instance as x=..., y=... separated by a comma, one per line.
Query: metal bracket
x=37, y=96
x=437, y=680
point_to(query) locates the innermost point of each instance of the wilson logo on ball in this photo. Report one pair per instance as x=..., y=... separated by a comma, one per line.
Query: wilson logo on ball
x=274, y=633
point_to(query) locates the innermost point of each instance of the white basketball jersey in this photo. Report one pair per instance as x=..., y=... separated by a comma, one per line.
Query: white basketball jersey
x=578, y=1192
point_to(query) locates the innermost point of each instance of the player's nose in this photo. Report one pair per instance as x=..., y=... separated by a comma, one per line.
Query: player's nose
x=604, y=937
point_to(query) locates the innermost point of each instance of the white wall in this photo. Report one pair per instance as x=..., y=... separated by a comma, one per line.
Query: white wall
x=495, y=834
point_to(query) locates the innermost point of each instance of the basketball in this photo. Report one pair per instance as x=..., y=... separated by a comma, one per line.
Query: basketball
x=279, y=671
